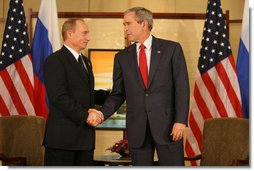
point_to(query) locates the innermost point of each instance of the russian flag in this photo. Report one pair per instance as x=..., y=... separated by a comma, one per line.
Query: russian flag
x=46, y=41
x=243, y=61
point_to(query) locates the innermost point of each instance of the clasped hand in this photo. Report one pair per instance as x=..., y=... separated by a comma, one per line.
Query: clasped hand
x=95, y=117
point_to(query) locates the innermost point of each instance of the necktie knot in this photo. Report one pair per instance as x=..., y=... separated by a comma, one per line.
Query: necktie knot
x=142, y=46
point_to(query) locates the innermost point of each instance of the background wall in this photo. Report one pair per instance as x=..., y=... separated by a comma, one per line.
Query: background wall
x=108, y=33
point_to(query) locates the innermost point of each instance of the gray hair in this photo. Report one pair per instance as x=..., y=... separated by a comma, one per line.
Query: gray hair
x=142, y=14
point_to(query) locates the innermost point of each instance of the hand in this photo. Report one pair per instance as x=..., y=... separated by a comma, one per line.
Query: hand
x=95, y=117
x=178, y=131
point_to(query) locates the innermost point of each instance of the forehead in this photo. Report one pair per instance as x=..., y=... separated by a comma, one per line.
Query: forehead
x=129, y=16
x=81, y=25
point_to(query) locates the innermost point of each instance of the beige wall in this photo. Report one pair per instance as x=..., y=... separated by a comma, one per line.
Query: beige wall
x=108, y=33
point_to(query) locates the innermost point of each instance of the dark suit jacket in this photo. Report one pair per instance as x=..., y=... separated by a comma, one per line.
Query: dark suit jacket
x=70, y=94
x=164, y=102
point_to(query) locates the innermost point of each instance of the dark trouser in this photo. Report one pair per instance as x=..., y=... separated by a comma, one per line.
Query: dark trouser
x=57, y=157
x=169, y=155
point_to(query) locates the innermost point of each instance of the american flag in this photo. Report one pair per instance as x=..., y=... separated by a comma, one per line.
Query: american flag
x=16, y=70
x=216, y=90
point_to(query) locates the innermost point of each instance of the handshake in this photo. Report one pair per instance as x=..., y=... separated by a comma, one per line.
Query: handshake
x=95, y=117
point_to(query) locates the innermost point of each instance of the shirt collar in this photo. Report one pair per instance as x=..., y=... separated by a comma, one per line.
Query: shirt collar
x=74, y=53
x=147, y=43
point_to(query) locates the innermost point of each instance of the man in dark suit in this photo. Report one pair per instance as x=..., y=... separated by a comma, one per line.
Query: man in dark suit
x=69, y=82
x=151, y=75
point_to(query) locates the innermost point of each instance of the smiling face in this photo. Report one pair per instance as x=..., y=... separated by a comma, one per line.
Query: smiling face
x=78, y=37
x=135, y=31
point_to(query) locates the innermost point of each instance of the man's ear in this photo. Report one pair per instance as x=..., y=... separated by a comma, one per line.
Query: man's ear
x=69, y=33
x=145, y=24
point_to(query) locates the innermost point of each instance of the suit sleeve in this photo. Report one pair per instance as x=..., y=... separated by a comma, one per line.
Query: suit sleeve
x=100, y=96
x=181, y=84
x=117, y=95
x=57, y=91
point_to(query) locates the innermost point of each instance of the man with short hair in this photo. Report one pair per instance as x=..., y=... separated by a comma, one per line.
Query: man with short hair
x=151, y=75
x=69, y=82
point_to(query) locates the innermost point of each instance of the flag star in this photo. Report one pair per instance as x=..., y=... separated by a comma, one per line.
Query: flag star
x=214, y=4
x=206, y=48
x=7, y=36
x=25, y=25
x=215, y=42
x=202, y=66
x=209, y=30
x=206, y=20
x=21, y=12
x=19, y=21
x=211, y=59
x=16, y=1
x=213, y=50
x=2, y=54
x=12, y=47
x=218, y=24
x=229, y=47
x=17, y=30
x=22, y=41
x=20, y=50
x=5, y=44
x=219, y=15
x=224, y=35
x=12, y=18
x=9, y=27
x=207, y=39
x=203, y=38
x=204, y=57
x=10, y=56
x=14, y=10
x=225, y=27
x=211, y=21
x=213, y=12
x=24, y=33
x=14, y=39
x=220, y=53
x=222, y=44
x=1, y=62
x=216, y=32
x=204, y=29
x=207, y=11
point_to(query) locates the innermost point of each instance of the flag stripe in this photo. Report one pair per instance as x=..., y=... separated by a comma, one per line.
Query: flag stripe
x=206, y=97
x=3, y=109
x=222, y=92
x=190, y=152
x=194, y=127
x=28, y=66
x=214, y=94
x=7, y=100
x=15, y=71
x=234, y=104
x=201, y=103
x=24, y=79
x=14, y=95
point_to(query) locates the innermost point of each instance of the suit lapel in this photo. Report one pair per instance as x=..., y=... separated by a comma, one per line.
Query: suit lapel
x=75, y=65
x=155, y=59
